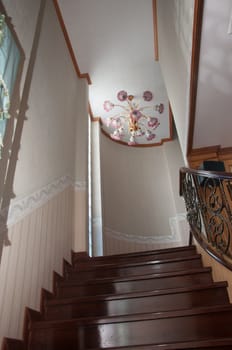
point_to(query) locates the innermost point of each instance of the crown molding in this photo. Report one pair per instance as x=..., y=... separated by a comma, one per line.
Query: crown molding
x=155, y=28
x=196, y=46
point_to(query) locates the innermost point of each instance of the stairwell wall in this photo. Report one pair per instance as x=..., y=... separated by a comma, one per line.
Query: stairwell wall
x=175, y=25
x=41, y=227
x=138, y=200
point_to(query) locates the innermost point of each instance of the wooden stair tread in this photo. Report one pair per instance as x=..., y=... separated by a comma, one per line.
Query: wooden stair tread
x=202, y=344
x=137, y=277
x=13, y=344
x=201, y=324
x=137, y=303
x=158, y=258
x=162, y=302
x=136, y=264
x=89, y=321
x=109, y=297
x=145, y=268
x=140, y=253
x=132, y=284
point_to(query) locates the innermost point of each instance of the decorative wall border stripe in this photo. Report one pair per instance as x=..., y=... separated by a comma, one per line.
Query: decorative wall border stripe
x=80, y=185
x=139, y=239
x=21, y=207
x=179, y=226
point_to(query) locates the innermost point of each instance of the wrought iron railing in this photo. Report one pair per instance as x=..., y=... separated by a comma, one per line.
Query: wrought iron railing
x=208, y=200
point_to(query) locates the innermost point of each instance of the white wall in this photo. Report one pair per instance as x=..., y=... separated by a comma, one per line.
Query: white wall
x=48, y=135
x=175, y=41
x=24, y=16
x=41, y=217
x=80, y=151
x=175, y=161
x=213, y=122
x=97, y=236
x=137, y=194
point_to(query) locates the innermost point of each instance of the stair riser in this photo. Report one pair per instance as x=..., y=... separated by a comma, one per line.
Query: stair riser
x=13, y=344
x=96, y=262
x=120, y=287
x=208, y=345
x=154, y=331
x=135, y=270
x=84, y=256
x=157, y=303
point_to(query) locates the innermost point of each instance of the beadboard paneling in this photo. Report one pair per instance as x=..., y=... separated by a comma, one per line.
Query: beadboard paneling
x=80, y=241
x=39, y=241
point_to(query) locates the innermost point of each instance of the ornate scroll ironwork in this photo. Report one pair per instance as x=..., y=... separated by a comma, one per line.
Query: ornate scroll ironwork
x=208, y=200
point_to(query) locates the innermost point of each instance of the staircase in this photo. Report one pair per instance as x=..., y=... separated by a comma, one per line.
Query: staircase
x=151, y=300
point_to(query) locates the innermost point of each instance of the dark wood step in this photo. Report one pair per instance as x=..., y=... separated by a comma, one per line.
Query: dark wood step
x=200, y=276
x=217, y=344
x=130, y=262
x=155, y=328
x=155, y=301
x=137, y=256
x=158, y=266
x=12, y=344
x=161, y=254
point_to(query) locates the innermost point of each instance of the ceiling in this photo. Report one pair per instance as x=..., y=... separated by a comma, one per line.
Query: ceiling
x=113, y=41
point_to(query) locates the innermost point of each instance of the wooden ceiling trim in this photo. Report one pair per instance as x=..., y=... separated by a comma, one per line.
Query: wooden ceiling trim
x=196, y=43
x=216, y=152
x=69, y=45
x=92, y=118
x=155, y=26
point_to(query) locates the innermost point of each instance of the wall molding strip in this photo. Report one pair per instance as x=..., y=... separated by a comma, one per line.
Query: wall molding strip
x=216, y=152
x=93, y=119
x=80, y=185
x=217, y=149
x=196, y=43
x=155, y=27
x=139, y=239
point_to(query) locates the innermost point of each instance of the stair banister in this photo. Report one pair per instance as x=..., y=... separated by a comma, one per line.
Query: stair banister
x=208, y=200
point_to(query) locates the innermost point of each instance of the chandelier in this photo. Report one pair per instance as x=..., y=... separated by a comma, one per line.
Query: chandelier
x=133, y=121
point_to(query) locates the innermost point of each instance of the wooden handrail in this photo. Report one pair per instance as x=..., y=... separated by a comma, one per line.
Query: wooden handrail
x=208, y=174
x=208, y=199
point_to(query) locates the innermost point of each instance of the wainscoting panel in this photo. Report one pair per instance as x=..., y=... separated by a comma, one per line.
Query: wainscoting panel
x=80, y=239
x=39, y=241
